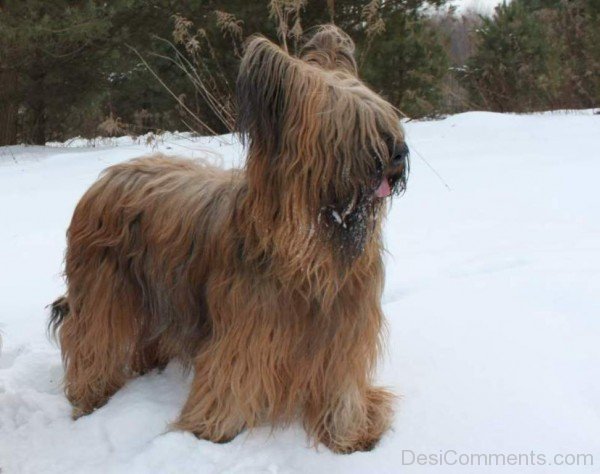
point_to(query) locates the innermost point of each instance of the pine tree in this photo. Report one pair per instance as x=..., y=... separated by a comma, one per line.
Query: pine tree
x=512, y=68
x=537, y=55
x=48, y=47
x=67, y=66
x=407, y=63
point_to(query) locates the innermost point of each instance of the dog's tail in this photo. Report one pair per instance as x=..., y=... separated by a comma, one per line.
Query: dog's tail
x=59, y=310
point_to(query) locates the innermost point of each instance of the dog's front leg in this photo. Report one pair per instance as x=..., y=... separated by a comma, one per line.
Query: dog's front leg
x=210, y=411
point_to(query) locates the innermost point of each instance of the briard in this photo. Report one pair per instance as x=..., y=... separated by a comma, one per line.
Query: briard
x=266, y=280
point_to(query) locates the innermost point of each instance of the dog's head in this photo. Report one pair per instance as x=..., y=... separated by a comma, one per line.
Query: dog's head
x=323, y=147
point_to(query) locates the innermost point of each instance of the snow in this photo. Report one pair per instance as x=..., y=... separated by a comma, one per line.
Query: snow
x=492, y=301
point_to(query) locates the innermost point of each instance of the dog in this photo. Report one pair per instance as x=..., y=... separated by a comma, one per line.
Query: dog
x=266, y=280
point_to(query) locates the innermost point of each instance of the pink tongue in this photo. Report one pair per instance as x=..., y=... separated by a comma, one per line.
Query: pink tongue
x=384, y=189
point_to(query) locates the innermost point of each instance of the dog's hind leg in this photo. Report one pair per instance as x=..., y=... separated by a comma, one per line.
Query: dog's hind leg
x=98, y=337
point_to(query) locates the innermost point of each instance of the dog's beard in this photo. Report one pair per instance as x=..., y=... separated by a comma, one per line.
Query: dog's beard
x=350, y=235
x=349, y=224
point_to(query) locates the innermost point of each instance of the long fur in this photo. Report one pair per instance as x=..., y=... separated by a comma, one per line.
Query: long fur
x=267, y=280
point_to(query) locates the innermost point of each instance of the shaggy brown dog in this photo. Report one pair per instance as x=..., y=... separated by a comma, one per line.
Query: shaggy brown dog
x=266, y=280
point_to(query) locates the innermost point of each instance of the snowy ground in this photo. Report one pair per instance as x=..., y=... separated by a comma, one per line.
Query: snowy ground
x=492, y=298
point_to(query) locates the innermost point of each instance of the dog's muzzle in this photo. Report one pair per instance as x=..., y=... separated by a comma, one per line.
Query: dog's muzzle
x=397, y=168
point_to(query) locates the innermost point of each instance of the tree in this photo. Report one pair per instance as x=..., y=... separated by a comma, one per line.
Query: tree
x=399, y=53
x=68, y=66
x=407, y=63
x=48, y=47
x=511, y=70
x=536, y=55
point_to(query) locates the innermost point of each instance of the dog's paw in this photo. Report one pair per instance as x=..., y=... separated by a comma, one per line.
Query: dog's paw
x=364, y=436
x=77, y=412
x=380, y=409
x=206, y=432
x=348, y=447
x=217, y=440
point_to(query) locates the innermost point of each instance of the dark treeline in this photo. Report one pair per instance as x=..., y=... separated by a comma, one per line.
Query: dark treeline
x=90, y=68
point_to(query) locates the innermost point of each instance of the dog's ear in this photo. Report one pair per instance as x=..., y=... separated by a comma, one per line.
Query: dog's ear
x=262, y=92
x=331, y=49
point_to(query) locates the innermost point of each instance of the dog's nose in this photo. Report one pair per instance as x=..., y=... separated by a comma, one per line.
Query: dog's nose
x=400, y=155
